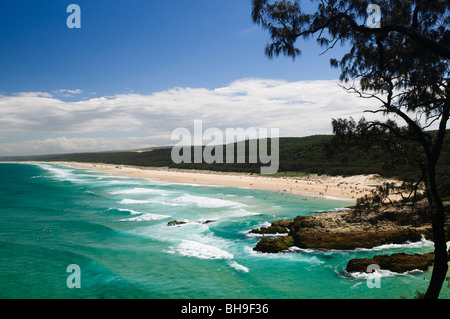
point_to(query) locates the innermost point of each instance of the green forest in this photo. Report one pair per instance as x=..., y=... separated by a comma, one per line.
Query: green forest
x=299, y=156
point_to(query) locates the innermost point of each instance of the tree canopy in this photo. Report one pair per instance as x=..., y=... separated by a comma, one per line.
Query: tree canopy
x=402, y=62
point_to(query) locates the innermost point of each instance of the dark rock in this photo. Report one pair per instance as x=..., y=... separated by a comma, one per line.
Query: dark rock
x=274, y=245
x=278, y=227
x=175, y=223
x=346, y=240
x=348, y=230
x=359, y=264
x=399, y=263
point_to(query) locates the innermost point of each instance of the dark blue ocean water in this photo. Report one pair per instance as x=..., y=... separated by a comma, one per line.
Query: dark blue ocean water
x=115, y=230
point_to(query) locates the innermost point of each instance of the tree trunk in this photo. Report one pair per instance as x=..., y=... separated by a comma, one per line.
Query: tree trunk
x=440, y=246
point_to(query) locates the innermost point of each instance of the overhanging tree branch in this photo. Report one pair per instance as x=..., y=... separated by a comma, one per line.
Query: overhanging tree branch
x=412, y=33
x=404, y=65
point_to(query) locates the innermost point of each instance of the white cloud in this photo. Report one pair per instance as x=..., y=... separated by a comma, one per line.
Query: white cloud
x=68, y=93
x=296, y=108
x=75, y=145
x=34, y=94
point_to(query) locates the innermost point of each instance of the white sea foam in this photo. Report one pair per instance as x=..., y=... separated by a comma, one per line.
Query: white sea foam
x=128, y=201
x=265, y=224
x=190, y=248
x=195, y=249
x=423, y=243
x=379, y=274
x=132, y=212
x=248, y=234
x=231, y=213
x=242, y=213
x=145, y=217
x=68, y=174
x=125, y=182
x=356, y=285
x=140, y=215
x=140, y=190
x=237, y=266
x=164, y=203
x=60, y=173
x=207, y=202
x=288, y=254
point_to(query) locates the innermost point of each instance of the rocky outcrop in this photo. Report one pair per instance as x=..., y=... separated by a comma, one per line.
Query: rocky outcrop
x=355, y=235
x=274, y=245
x=278, y=227
x=399, y=263
x=348, y=230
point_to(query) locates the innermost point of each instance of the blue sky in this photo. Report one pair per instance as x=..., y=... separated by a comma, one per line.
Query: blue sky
x=141, y=46
x=136, y=70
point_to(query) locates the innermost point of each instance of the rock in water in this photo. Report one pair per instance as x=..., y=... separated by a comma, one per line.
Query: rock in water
x=278, y=227
x=350, y=229
x=399, y=263
x=274, y=245
x=175, y=223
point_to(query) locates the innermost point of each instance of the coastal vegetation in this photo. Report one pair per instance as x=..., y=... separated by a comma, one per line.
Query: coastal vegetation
x=299, y=157
x=412, y=91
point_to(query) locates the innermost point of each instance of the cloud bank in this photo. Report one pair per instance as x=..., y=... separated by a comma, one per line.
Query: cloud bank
x=297, y=108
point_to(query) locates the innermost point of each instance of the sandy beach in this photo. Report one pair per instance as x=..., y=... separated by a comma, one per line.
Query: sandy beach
x=338, y=187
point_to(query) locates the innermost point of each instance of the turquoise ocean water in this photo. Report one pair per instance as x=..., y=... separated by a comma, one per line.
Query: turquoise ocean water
x=115, y=229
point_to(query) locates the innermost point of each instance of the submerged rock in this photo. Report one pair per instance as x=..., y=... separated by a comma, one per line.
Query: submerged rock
x=175, y=223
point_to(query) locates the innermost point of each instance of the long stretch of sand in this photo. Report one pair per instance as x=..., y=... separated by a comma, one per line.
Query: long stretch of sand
x=345, y=188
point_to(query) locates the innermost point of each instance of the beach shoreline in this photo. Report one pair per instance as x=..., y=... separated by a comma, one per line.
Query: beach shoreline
x=332, y=187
